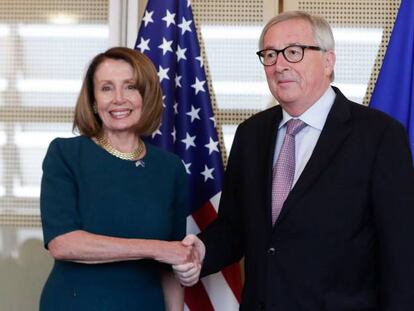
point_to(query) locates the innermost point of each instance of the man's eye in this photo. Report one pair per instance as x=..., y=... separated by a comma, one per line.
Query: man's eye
x=294, y=51
x=269, y=54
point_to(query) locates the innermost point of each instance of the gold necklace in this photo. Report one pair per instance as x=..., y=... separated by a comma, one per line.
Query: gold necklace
x=134, y=155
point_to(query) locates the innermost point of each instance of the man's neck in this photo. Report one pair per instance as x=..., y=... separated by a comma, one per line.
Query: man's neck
x=297, y=109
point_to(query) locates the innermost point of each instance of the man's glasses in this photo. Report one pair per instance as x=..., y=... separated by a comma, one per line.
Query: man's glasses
x=292, y=53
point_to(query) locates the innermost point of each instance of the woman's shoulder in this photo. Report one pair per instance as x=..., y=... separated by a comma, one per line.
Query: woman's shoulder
x=69, y=141
x=69, y=146
x=69, y=152
x=162, y=156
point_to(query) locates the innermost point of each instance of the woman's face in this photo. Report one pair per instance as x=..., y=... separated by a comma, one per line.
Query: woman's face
x=118, y=102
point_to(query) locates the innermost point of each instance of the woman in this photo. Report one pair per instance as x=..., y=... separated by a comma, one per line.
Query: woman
x=110, y=202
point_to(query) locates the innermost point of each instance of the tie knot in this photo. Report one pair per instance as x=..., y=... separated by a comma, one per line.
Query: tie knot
x=294, y=126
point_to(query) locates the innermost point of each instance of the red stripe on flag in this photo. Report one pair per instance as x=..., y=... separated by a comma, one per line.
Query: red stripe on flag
x=196, y=298
x=232, y=274
x=204, y=215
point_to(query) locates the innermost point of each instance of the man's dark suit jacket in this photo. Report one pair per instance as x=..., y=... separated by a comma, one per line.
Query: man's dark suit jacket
x=344, y=238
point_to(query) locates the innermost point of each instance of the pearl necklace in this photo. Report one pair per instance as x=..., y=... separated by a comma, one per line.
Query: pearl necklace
x=134, y=155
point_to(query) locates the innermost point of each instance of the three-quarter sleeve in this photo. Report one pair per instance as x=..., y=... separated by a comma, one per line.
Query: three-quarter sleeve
x=58, y=197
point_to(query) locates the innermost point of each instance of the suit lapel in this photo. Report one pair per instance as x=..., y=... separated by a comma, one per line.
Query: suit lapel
x=333, y=135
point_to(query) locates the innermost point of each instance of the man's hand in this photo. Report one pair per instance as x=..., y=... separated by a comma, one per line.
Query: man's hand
x=189, y=273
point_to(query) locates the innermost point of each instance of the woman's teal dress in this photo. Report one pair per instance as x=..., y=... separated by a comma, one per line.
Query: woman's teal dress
x=86, y=188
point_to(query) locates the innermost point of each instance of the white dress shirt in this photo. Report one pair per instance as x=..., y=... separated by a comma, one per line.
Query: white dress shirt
x=306, y=139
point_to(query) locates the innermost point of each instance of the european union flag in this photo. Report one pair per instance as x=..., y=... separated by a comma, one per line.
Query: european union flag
x=394, y=90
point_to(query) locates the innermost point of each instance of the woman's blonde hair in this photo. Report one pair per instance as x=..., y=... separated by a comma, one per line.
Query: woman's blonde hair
x=89, y=123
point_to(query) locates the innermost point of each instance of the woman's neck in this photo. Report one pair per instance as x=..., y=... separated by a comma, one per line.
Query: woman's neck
x=122, y=141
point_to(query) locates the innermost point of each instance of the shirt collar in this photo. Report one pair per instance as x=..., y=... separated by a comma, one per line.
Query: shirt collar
x=316, y=115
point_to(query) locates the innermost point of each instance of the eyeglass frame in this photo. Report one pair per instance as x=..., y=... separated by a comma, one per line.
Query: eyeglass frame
x=302, y=46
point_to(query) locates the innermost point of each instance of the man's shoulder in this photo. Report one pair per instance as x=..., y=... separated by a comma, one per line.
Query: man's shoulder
x=372, y=116
x=364, y=114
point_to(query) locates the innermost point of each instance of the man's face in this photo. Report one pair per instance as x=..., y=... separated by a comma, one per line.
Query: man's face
x=297, y=86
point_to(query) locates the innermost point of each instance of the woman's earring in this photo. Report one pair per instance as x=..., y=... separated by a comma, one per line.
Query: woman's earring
x=95, y=109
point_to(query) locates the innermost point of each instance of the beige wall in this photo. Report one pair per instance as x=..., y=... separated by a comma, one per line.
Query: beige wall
x=44, y=48
x=22, y=272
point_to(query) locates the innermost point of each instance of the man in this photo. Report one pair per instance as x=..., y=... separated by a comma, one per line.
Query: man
x=321, y=207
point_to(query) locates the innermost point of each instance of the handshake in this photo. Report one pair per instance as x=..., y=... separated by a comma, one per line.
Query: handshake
x=189, y=255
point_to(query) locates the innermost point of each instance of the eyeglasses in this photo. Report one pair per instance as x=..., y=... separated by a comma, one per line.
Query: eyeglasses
x=292, y=53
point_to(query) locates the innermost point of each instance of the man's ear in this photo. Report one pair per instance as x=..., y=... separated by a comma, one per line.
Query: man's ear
x=330, y=59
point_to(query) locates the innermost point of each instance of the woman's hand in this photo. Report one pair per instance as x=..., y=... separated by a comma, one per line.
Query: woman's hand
x=174, y=253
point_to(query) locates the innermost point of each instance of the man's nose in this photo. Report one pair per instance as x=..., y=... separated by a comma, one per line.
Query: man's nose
x=281, y=62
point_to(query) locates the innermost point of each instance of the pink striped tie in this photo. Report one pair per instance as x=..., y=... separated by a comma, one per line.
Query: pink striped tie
x=284, y=169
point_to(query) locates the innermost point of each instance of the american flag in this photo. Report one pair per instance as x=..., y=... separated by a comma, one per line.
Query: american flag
x=168, y=37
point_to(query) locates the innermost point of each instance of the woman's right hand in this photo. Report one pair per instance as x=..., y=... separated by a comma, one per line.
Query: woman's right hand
x=175, y=253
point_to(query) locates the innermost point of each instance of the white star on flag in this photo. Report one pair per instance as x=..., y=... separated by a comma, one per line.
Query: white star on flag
x=175, y=106
x=144, y=45
x=157, y=132
x=173, y=134
x=177, y=80
x=194, y=113
x=185, y=26
x=189, y=141
x=187, y=167
x=148, y=18
x=200, y=59
x=207, y=173
x=212, y=146
x=180, y=53
x=163, y=73
x=166, y=46
x=198, y=86
x=169, y=18
x=213, y=120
